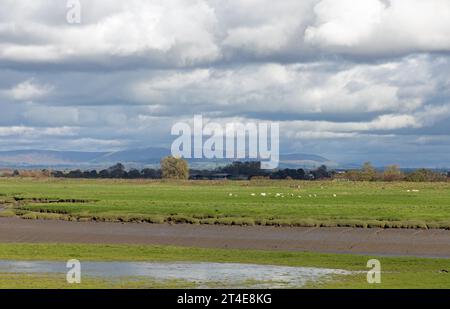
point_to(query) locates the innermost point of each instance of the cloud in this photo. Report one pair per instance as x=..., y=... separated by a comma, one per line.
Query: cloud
x=34, y=132
x=352, y=80
x=298, y=89
x=381, y=123
x=263, y=39
x=176, y=31
x=376, y=27
x=171, y=34
x=344, y=22
x=90, y=143
x=27, y=91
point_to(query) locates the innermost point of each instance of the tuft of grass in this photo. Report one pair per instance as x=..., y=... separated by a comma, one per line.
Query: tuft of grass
x=7, y=213
x=182, y=219
x=236, y=221
x=43, y=216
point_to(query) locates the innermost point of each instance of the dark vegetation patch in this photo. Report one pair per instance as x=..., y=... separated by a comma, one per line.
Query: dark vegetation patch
x=40, y=200
x=225, y=220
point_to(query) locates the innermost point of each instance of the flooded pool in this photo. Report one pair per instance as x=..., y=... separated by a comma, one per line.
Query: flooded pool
x=231, y=275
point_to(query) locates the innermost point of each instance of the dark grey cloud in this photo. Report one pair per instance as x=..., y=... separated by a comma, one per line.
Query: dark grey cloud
x=352, y=81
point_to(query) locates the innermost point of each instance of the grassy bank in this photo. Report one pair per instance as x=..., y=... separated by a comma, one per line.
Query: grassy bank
x=397, y=272
x=285, y=203
x=52, y=281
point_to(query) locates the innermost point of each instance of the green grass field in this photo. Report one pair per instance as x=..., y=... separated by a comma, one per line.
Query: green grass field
x=396, y=272
x=296, y=203
x=299, y=203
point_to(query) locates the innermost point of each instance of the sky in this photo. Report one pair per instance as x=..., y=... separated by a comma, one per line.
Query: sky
x=354, y=81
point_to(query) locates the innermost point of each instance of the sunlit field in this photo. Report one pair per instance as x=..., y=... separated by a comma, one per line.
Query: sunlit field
x=262, y=202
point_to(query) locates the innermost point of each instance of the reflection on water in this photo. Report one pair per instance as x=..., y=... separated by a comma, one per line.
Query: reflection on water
x=224, y=274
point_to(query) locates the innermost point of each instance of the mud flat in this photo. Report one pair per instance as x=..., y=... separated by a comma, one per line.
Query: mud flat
x=395, y=242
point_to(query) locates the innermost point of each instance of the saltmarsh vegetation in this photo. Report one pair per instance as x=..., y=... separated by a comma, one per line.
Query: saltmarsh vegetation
x=257, y=202
x=58, y=281
x=397, y=272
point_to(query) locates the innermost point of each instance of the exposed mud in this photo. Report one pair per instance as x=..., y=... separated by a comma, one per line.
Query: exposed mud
x=399, y=242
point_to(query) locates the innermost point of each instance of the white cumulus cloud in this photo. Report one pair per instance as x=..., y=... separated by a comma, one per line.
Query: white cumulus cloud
x=374, y=27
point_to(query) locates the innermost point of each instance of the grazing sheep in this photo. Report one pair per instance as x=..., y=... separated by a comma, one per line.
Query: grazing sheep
x=334, y=195
x=263, y=194
x=253, y=194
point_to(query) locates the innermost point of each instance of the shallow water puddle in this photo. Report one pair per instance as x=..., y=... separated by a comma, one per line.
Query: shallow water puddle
x=231, y=275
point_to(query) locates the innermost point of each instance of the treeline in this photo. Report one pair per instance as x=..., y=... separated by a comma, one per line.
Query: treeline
x=252, y=169
x=236, y=170
x=115, y=171
x=178, y=169
x=393, y=173
x=287, y=173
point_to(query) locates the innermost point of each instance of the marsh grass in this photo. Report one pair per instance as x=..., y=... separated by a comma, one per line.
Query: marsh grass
x=309, y=204
x=54, y=281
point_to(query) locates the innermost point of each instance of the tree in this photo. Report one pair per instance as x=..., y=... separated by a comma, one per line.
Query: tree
x=248, y=168
x=134, y=174
x=423, y=174
x=117, y=171
x=150, y=173
x=368, y=172
x=321, y=172
x=75, y=174
x=90, y=174
x=174, y=168
x=393, y=173
x=103, y=174
x=58, y=174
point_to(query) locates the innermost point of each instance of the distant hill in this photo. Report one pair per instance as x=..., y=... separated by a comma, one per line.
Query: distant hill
x=295, y=160
x=46, y=157
x=132, y=157
x=143, y=156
